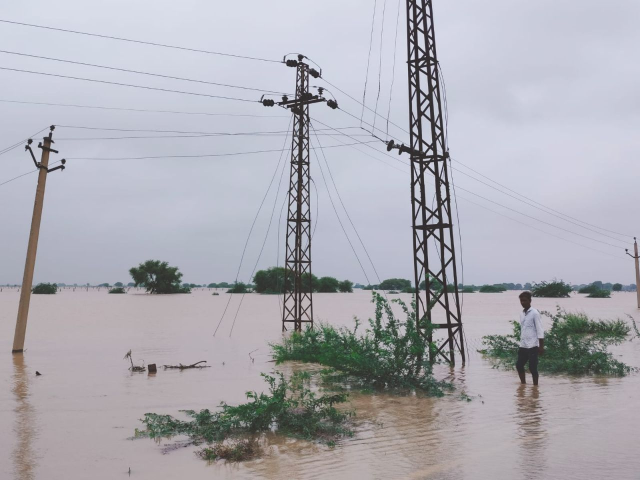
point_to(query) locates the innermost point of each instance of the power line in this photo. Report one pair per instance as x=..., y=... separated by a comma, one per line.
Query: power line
x=343, y=206
x=128, y=85
x=538, y=203
x=138, y=72
x=206, y=135
x=27, y=173
x=384, y=11
x=147, y=130
x=537, y=219
x=154, y=44
x=538, y=230
x=192, y=156
x=393, y=69
x=17, y=144
x=339, y=220
x=536, y=207
x=264, y=242
x=516, y=211
x=98, y=107
x=253, y=224
x=366, y=76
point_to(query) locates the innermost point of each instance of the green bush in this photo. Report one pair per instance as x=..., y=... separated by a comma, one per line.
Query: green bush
x=394, y=284
x=492, y=289
x=239, y=287
x=346, y=286
x=599, y=294
x=555, y=289
x=617, y=287
x=158, y=277
x=390, y=353
x=574, y=344
x=45, y=289
x=290, y=408
x=588, y=289
x=117, y=290
x=328, y=285
x=468, y=290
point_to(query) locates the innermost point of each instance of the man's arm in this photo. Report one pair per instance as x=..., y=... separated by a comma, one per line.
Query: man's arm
x=540, y=333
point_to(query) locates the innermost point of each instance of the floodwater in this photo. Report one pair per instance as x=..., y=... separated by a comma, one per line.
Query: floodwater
x=76, y=419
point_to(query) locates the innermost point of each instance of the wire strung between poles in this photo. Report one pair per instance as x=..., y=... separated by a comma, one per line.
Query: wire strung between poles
x=154, y=44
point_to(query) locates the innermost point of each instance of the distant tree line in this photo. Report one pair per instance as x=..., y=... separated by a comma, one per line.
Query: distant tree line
x=272, y=281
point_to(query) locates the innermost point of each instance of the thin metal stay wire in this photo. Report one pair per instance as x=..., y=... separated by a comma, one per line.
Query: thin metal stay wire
x=343, y=206
x=154, y=44
x=138, y=72
x=253, y=224
x=264, y=242
x=120, y=84
x=339, y=219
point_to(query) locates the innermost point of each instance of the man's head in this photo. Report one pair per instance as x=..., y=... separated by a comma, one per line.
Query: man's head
x=525, y=300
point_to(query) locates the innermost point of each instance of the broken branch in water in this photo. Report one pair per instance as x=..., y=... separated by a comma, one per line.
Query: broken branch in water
x=183, y=367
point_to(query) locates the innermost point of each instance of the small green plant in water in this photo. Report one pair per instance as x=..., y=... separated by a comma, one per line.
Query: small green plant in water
x=117, y=290
x=389, y=354
x=290, y=408
x=574, y=344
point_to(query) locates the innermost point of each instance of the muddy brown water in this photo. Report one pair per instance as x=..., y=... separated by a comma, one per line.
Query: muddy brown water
x=74, y=421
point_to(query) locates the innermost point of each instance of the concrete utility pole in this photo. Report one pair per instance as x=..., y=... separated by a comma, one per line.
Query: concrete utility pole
x=636, y=257
x=27, y=280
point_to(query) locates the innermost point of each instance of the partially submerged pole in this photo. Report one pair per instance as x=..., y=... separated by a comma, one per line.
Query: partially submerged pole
x=27, y=280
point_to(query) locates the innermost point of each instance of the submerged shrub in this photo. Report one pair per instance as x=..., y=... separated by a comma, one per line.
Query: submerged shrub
x=117, y=290
x=45, y=289
x=598, y=293
x=232, y=451
x=574, y=344
x=290, y=408
x=239, y=287
x=390, y=353
x=555, y=289
x=492, y=289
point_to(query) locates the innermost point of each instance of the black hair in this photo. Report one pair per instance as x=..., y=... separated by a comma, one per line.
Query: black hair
x=525, y=294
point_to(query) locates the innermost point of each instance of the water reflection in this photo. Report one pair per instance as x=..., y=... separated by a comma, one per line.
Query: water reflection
x=532, y=431
x=24, y=464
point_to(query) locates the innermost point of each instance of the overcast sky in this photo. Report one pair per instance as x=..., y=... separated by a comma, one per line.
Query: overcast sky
x=542, y=97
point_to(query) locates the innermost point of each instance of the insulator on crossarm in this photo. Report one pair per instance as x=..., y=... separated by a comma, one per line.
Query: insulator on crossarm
x=268, y=102
x=390, y=145
x=332, y=104
x=314, y=73
x=285, y=99
x=292, y=63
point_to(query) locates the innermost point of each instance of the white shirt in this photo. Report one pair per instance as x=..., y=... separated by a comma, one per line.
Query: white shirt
x=530, y=328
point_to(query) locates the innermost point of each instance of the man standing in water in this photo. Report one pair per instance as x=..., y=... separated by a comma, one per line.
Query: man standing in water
x=531, y=339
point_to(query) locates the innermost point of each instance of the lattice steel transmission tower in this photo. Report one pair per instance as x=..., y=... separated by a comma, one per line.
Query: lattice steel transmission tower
x=434, y=264
x=298, y=290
